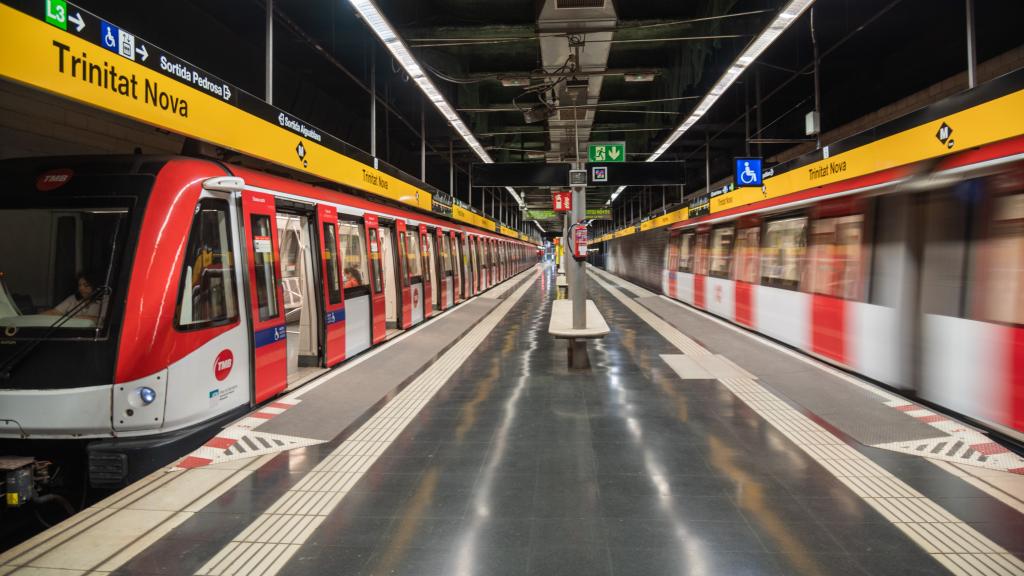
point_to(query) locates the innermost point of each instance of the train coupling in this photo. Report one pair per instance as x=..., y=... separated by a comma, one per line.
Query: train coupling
x=22, y=477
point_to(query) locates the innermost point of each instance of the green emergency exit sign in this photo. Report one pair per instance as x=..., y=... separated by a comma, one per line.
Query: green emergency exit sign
x=607, y=152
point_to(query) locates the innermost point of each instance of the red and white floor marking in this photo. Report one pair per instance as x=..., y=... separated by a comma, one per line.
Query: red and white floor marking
x=242, y=439
x=963, y=444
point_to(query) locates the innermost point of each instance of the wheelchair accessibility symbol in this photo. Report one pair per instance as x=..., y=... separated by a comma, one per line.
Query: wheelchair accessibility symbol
x=748, y=172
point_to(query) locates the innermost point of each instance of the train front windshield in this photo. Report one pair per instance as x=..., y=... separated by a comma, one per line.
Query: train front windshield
x=57, y=269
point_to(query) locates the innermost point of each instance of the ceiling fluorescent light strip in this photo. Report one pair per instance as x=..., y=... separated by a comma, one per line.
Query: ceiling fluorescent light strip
x=774, y=29
x=375, y=19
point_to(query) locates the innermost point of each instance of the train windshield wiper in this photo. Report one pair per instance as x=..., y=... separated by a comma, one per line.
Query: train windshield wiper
x=8, y=366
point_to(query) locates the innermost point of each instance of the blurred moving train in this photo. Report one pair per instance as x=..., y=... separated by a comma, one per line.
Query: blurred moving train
x=209, y=289
x=912, y=276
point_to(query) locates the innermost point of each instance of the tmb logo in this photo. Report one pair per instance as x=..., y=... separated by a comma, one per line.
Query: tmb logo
x=53, y=179
x=223, y=364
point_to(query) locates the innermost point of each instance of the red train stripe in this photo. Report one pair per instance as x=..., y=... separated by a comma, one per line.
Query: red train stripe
x=745, y=303
x=698, y=290
x=1017, y=378
x=828, y=327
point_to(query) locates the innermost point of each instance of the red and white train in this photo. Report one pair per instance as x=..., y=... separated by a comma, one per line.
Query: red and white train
x=913, y=277
x=144, y=300
x=910, y=272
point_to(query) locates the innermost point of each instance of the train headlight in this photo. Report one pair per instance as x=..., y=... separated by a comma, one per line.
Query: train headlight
x=147, y=395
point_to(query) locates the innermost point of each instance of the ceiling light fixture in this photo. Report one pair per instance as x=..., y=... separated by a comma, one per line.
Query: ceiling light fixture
x=638, y=77
x=783, y=19
x=375, y=19
x=514, y=81
x=775, y=29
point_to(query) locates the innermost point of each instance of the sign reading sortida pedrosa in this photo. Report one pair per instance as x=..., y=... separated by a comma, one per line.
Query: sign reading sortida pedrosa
x=58, y=47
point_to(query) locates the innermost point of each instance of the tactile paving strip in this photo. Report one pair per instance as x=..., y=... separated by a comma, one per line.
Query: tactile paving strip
x=953, y=441
x=270, y=541
x=955, y=544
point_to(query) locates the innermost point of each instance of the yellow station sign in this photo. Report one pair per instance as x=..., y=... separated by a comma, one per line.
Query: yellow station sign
x=181, y=100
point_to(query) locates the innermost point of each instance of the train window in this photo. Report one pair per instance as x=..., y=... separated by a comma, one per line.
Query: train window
x=375, y=260
x=686, y=252
x=721, y=251
x=998, y=275
x=403, y=265
x=782, y=253
x=45, y=255
x=701, y=253
x=263, y=264
x=426, y=257
x=353, y=254
x=208, y=296
x=412, y=254
x=446, y=254
x=834, y=257
x=332, y=264
x=747, y=258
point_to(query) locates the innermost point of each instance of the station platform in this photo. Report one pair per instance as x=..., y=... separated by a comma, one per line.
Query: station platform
x=468, y=446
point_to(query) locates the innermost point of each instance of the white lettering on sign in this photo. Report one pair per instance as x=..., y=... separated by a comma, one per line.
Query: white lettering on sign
x=293, y=124
x=194, y=77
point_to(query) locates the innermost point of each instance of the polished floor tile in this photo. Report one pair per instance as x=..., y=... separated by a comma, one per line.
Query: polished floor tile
x=522, y=466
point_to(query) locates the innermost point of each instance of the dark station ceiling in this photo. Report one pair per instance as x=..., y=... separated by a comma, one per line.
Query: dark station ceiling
x=873, y=53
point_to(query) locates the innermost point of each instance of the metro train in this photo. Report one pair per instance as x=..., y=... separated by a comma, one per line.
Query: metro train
x=912, y=276
x=203, y=289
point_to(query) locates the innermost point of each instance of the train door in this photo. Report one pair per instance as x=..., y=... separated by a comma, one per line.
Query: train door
x=430, y=278
x=378, y=289
x=474, y=265
x=333, y=291
x=412, y=292
x=456, y=252
x=443, y=257
x=467, y=267
x=504, y=261
x=404, y=279
x=357, y=279
x=392, y=257
x=444, y=241
x=432, y=261
x=269, y=333
x=300, y=279
x=485, y=258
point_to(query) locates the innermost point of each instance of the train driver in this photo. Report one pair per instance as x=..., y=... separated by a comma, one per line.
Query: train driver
x=86, y=286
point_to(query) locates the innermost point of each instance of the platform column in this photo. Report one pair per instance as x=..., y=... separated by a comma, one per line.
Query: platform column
x=578, y=278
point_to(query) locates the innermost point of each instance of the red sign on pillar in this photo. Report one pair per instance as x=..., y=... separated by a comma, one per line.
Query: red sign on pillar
x=562, y=200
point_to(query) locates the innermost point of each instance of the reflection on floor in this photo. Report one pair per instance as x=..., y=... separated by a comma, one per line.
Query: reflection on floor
x=303, y=374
